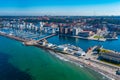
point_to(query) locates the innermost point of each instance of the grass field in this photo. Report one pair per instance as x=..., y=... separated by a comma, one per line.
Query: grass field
x=98, y=37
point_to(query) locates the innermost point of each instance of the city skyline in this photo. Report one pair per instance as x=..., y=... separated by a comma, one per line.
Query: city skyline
x=64, y=7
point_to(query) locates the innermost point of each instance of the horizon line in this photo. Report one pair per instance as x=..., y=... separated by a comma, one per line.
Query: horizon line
x=60, y=15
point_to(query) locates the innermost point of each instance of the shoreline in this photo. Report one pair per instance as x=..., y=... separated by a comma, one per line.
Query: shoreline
x=85, y=38
x=62, y=57
x=69, y=57
x=82, y=64
x=93, y=39
x=13, y=37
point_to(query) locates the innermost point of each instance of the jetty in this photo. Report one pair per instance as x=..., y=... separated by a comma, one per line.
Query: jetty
x=13, y=37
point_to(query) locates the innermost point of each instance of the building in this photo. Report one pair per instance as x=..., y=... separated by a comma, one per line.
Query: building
x=65, y=30
x=49, y=45
x=76, y=31
x=90, y=28
x=70, y=31
x=50, y=30
x=85, y=33
x=111, y=35
x=79, y=53
x=110, y=56
x=60, y=30
x=62, y=48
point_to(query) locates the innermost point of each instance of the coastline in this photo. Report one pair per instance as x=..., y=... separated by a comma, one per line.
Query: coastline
x=67, y=59
x=71, y=58
x=82, y=64
x=90, y=38
x=94, y=39
x=12, y=37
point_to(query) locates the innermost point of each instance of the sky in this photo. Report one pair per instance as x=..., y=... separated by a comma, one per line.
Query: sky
x=60, y=7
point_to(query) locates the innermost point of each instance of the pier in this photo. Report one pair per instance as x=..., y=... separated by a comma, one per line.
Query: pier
x=46, y=37
x=91, y=50
x=35, y=42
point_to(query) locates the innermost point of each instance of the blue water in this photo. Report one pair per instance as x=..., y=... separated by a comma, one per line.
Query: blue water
x=85, y=44
x=19, y=62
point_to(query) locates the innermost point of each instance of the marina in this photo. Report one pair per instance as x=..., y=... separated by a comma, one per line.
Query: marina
x=28, y=35
x=29, y=39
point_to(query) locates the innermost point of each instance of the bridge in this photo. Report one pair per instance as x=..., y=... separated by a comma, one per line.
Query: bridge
x=46, y=37
x=35, y=42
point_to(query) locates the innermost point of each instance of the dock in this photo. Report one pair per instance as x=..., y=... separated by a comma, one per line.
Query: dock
x=91, y=50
